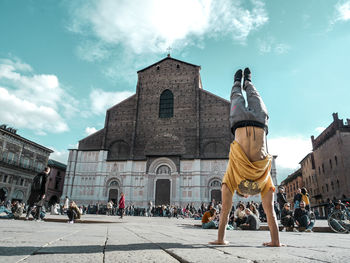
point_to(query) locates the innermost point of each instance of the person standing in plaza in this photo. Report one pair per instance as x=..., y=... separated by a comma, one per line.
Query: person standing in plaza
x=281, y=198
x=121, y=204
x=37, y=193
x=305, y=198
x=249, y=166
x=297, y=199
x=109, y=207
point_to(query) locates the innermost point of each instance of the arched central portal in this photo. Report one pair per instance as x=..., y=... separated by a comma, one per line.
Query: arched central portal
x=215, y=195
x=113, y=195
x=162, y=192
x=215, y=190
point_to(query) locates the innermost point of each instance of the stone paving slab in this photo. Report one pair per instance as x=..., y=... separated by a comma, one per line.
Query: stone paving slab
x=142, y=239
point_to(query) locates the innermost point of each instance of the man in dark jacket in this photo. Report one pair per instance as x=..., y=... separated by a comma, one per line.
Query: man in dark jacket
x=37, y=193
x=281, y=197
x=297, y=198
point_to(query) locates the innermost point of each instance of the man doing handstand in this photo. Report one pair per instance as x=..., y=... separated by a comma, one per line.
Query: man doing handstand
x=248, y=170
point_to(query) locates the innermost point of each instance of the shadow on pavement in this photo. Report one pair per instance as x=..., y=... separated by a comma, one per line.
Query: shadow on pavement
x=91, y=249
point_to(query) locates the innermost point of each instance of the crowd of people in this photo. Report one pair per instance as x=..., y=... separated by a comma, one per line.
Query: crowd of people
x=294, y=217
x=298, y=218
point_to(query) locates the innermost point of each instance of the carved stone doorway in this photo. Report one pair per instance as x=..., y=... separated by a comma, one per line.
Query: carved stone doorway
x=216, y=195
x=162, y=192
x=113, y=195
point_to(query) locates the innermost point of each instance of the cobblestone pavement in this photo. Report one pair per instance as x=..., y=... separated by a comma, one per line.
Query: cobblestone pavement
x=141, y=239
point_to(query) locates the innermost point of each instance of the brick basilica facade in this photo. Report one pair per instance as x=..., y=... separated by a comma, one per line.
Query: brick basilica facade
x=168, y=143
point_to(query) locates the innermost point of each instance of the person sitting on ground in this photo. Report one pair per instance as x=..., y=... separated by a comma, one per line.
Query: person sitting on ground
x=240, y=215
x=73, y=212
x=255, y=211
x=249, y=166
x=208, y=219
x=18, y=211
x=287, y=219
x=302, y=218
x=252, y=222
x=305, y=198
x=4, y=209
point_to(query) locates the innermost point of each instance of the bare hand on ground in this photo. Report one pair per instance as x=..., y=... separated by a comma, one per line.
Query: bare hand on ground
x=270, y=244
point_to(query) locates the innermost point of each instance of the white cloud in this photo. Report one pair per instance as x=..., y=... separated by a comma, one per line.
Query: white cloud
x=92, y=51
x=102, y=100
x=30, y=100
x=60, y=156
x=290, y=150
x=152, y=26
x=90, y=130
x=281, y=48
x=269, y=45
x=342, y=11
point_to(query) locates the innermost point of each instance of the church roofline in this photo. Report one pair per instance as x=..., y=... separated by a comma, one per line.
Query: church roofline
x=92, y=134
x=128, y=98
x=168, y=57
x=216, y=96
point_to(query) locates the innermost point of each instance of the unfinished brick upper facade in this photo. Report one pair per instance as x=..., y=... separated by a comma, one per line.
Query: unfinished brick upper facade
x=199, y=127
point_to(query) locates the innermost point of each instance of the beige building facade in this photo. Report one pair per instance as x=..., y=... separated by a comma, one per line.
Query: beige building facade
x=20, y=160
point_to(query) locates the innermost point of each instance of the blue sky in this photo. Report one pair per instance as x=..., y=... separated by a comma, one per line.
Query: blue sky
x=62, y=64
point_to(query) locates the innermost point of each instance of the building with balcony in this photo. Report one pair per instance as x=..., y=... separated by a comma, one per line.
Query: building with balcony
x=20, y=160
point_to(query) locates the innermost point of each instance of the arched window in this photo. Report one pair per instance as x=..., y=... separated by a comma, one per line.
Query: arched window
x=166, y=104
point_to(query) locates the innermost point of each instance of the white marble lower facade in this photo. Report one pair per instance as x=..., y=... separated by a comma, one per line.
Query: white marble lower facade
x=91, y=179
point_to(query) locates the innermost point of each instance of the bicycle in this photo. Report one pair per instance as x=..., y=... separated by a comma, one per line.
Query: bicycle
x=339, y=220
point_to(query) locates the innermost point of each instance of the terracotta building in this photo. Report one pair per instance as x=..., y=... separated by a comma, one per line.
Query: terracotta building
x=331, y=151
x=309, y=177
x=55, y=182
x=20, y=160
x=291, y=185
x=168, y=143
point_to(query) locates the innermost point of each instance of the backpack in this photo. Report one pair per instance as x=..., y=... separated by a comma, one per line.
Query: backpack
x=37, y=182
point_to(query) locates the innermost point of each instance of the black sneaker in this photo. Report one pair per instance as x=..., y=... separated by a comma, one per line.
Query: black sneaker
x=247, y=76
x=238, y=75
